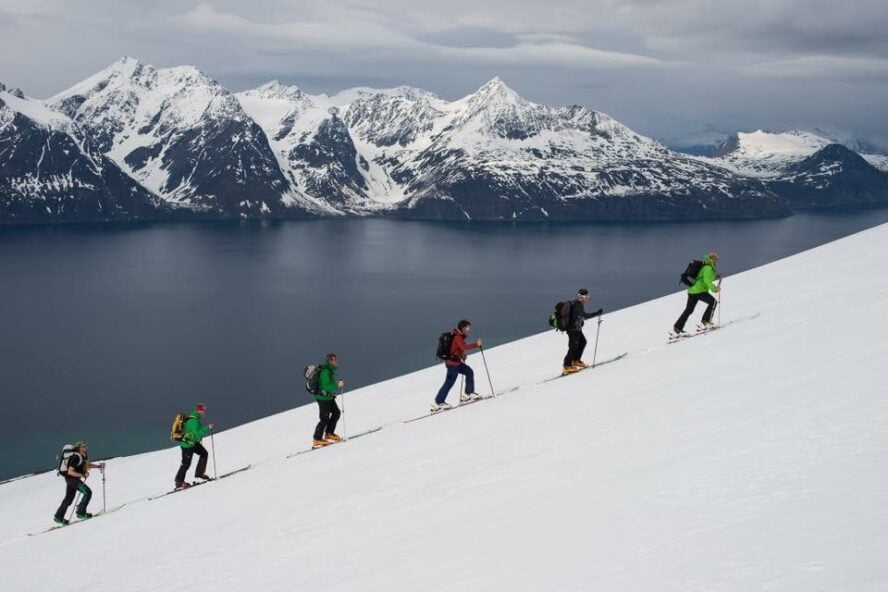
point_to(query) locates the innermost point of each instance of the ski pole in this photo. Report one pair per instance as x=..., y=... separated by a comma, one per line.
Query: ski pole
x=719, y=299
x=104, y=506
x=486, y=369
x=342, y=395
x=77, y=497
x=213, y=446
x=597, y=331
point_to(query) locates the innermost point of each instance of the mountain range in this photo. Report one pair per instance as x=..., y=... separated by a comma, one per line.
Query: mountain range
x=135, y=142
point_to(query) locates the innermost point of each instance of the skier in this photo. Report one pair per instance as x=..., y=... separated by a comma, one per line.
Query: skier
x=700, y=290
x=329, y=413
x=576, y=341
x=456, y=364
x=75, y=480
x=193, y=433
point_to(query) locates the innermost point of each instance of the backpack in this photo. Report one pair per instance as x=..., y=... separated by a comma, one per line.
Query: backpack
x=177, y=432
x=560, y=319
x=445, y=341
x=68, y=451
x=689, y=277
x=312, y=374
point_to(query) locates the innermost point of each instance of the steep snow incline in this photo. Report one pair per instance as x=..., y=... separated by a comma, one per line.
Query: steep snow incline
x=36, y=111
x=748, y=459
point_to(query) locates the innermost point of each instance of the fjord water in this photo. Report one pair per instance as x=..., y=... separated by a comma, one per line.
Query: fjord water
x=107, y=331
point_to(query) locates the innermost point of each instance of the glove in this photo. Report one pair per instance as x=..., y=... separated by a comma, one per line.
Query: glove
x=598, y=312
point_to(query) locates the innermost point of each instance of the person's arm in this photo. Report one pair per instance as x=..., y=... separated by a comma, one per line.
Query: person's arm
x=709, y=278
x=597, y=313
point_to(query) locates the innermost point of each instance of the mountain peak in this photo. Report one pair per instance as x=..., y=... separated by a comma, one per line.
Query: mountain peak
x=497, y=88
x=125, y=66
x=273, y=89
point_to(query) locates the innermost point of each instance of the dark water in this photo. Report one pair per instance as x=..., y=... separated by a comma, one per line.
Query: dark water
x=106, y=332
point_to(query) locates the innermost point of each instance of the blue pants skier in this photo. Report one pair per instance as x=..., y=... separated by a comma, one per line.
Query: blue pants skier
x=452, y=372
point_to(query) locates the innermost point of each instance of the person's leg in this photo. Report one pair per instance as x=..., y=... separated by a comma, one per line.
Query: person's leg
x=183, y=468
x=689, y=308
x=324, y=417
x=202, y=454
x=335, y=413
x=577, y=342
x=70, y=491
x=581, y=347
x=452, y=372
x=569, y=359
x=710, y=308
x=85, y=496
x=466, y=371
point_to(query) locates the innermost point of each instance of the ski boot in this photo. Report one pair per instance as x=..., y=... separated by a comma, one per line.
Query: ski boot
x=332, y=438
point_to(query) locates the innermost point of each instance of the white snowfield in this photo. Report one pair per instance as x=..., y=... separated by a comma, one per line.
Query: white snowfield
x=751, y=458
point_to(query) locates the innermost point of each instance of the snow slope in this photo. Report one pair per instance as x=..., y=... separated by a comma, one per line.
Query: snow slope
x=752, y=458
x=767, y=155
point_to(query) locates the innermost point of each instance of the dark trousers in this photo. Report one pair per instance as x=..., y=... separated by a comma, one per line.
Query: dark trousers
x=576, y=345
x=187, y=453
x=329, y=413
x=72, y=486
x=452, y=373
x=692, y=303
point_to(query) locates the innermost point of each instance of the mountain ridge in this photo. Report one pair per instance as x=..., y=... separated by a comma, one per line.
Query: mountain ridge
x=276, y=151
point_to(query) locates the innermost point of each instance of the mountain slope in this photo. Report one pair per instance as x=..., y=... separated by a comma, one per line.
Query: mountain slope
x=491, y=155
x=832, y=177
x=49, y=171
x=742, y=460
x=183, y=136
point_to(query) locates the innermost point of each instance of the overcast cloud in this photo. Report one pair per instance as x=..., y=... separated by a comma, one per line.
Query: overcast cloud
x=664, y=68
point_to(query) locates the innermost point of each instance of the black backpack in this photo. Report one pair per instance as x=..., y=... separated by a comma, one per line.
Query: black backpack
x=312, y=374
x=689, y=277
x=560, y=319
x=445, y=341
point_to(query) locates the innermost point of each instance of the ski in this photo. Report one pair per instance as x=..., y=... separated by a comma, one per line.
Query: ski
x=701, y=330
x=358, y=435
x=463, y=404
x=60, y=526
x=223, y=476
x=597, y=364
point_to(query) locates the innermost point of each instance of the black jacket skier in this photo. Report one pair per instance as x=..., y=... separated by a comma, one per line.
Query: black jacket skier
x=576, y=341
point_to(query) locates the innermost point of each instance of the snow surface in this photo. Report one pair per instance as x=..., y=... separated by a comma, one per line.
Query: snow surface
x=752, y=458
x=36, y=111
x=767, y=155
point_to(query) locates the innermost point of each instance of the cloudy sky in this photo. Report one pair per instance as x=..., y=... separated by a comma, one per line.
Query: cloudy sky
x=665, y=68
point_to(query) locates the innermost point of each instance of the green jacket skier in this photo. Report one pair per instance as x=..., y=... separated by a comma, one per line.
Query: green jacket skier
x=192, y=430
x=700, y=290
x=328, y=387
x=192, y=434
x=707, y=276
x=328, y=410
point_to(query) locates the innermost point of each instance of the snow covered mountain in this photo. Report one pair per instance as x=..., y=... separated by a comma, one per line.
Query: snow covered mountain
x=183, y=136
x=806, y=169
x=50, y=171
x=745, y=459
x=490, y=155
x=278, y=152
